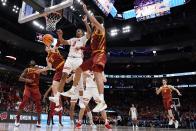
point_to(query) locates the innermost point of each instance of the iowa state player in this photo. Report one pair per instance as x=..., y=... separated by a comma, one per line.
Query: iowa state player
x=97, y=61
x=166, y=91
x=55, y=60
x=31, y=78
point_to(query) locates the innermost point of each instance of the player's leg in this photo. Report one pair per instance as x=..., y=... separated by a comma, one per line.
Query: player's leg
x=87, y=96
x=84, y=67
x=72, y=110
x=36, y=96
x=26, y=96
x=60, y=113
x=65, y=73
x=104, y=116
x=99, y=61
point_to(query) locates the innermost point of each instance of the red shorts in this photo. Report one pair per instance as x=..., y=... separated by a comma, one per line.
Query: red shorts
x=96, y=63
x=58, y=74
x=167, y=103
x=32, y=92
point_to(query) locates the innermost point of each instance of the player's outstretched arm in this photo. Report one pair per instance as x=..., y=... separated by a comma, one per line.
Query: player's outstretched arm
x=93, y=19
x=176, y=90
x=42, y=70
x=88, y=29
x=158, y=90
x=49, y=65
x=60, y=37
x=23, y=79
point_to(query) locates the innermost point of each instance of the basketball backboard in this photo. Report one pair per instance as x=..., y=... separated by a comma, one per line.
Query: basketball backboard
x=33, y=9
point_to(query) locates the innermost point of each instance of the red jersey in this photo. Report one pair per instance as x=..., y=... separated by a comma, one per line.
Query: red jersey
x=166, y=92
x=98, y=43
x=31, y=74
x=56, y=60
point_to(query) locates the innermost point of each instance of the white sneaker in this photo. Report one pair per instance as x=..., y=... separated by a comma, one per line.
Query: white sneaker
x=133, y=126
x=58, y=109
x=17, y=124
x=136, y=126
x=55, y=100
x=100, y=107
x=176, y=123
x=93, y=126
x=68, y=93
x=38, y=125
x=171, y=122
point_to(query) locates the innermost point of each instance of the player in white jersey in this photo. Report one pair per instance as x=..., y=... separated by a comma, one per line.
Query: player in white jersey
x=75, y=56
x=91, y=92
x=74, y=99
x=133, y=113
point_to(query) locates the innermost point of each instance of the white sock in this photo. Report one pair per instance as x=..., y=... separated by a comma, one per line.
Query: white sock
x=90, y=116
x=73, y=88
x=101, y=96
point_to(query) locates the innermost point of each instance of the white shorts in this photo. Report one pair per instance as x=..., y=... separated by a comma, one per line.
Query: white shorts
x=134, y=117
x=71, y=64
x=89, y=93
x=75, y=97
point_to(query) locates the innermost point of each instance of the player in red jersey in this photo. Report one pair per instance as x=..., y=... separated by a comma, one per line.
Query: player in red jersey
x=97, y=61
x=166, y=91
x=56, y=61
x=31, y=77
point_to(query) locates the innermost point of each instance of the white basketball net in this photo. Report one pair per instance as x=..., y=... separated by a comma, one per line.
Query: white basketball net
x=51, y=20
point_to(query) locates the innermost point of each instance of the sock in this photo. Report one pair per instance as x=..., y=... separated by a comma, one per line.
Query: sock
x=90, y=116
x=101, y=96
x=106, y=121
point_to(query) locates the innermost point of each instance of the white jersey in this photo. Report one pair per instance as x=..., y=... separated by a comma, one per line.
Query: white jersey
x=76, y=43
x=133, y=110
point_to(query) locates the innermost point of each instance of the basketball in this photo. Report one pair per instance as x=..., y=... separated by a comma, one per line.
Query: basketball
x=47, y=39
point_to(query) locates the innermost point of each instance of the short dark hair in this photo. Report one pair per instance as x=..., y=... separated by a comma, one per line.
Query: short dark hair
x=165, y=79
x=100, y=19
x=81, y=30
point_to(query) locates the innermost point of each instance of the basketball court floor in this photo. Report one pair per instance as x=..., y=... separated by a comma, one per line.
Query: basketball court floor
x=32, y=127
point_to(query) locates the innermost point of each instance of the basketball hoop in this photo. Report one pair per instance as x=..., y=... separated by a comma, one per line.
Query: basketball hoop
x=51, y=20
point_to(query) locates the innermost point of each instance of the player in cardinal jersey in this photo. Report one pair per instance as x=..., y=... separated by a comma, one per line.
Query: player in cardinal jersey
x=75, y=56
x=56, y=61
x=31, y=77
x=166, y=91
x=91, y=92
x=133, y=113
x=97, y=61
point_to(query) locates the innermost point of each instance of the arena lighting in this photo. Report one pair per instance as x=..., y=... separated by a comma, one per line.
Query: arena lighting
x=114, y=32
x=151, y=76
x=154, y=51
x=15, y=9
x=4, y=2
x=37, y=24
x=11, y=57
x=126, y=29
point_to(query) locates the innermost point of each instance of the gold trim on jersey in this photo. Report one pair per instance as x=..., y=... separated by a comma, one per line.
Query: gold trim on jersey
x=59, y=65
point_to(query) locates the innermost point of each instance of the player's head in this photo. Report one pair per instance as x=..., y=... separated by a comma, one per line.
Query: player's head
x=79, y=33
x=132, y=105
x=32, y=63
x=164, y=81
x=99, y=19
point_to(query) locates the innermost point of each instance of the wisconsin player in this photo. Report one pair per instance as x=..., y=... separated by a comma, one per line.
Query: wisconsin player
x=133, y=113
x=31, y=77
x=56, y=61
x=166, y=91
x=91, y=92
x=97, y=61
x=75, y=56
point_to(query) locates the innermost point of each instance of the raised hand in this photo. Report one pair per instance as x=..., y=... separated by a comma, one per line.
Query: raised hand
x=85, y=9
x=84, y=19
